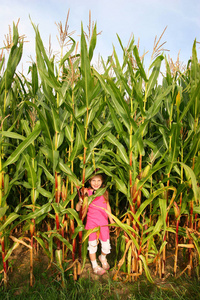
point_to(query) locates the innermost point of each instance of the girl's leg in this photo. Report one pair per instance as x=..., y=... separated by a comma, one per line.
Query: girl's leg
x=92, y=247
x=105, y=249
x=103, y=256
x=93, y=260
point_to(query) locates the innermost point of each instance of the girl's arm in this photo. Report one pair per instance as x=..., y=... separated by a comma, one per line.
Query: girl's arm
x=80, y=202
x=109, y=216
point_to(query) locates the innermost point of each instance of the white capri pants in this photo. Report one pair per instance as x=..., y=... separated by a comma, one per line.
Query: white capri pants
x=105, y=246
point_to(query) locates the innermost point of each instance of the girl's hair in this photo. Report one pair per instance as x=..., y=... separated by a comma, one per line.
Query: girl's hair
x=105, y=195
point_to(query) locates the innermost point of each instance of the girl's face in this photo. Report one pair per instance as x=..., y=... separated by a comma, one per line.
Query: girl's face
x=96, y=182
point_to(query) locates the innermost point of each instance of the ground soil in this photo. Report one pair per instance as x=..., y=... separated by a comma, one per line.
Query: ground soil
x=19, y=268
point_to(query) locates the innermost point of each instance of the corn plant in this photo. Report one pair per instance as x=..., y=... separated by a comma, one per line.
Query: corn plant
x=68, y=119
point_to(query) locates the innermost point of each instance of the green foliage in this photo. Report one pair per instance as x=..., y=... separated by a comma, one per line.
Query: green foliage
x=70, y=119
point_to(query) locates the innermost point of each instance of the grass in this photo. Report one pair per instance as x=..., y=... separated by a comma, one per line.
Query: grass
x=48, y=286
x=85, y=289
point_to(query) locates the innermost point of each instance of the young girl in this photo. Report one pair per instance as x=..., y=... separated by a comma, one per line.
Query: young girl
x=96, y=216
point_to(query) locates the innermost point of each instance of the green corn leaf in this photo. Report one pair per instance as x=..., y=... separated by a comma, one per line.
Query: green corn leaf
x=120, y=185
x=196, y=242
x=34, y=79
x=194, y=64
x=43, y=61
x=25, y=127
x=191, y=101
x=126, y=228
x=63, y=240
x=2, y=62
x=147, y=272
x=154, y=75
x=93, y=42
x=77, y=230
x=12, y=135
x=88, y=232
x=43, y=245
x=82, y=131
x=80, y=112
x=10, y=251
x=32, y=177
x=118, y=69
x=57, y=208
x=85, y=67
x=79, y=125
x=102, y=128
x=98, y=193
x=10, y=219
x=58, y=139
x=38, y=212
x=23, y=145
x=154, y=109
x=126, y=86
x=117, y=123
x=47, y=173
x=157, y=167
x=64, y=119
x=13, y=61
x=68, y=133
x=120, y=42
x=151, y=198
x=122, y=152
x=3, y=211
x=163, y=212
x=48, y=153
x=96, y=140
x=84, y=252
x=56, y=157
x=75, y=215
x=72, y=177
x=121, y=105
x=77, y=146
x=105, y=169
x=163, y=245
x=191, y=174
x=194, y=147
x=55, y=120
x=67, y=201
x=97, y=106
x=44, y=125
x=44, y=192
x=153, y=231
x=67, y=55
x=139, y=64
x=52, y=82
x=116, y=98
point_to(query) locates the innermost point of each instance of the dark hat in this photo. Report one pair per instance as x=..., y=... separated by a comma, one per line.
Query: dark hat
x=98, y=171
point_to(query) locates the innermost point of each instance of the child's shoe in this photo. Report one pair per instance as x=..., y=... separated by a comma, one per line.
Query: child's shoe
x=104, y=263
x=99, y=271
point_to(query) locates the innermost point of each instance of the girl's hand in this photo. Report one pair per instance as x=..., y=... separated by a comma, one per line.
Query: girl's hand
x=113, y=226
x=79, y=204
x=111, y=222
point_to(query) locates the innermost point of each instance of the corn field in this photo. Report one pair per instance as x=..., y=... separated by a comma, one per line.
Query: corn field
x=66, y=119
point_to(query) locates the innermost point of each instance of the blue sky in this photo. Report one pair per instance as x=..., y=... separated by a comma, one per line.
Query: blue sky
x=144, y=18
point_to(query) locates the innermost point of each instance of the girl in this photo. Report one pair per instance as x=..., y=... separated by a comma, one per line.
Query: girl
x=96, y=216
